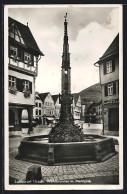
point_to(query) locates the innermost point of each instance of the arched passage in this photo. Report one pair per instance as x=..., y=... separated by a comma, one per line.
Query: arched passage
x=24, y=119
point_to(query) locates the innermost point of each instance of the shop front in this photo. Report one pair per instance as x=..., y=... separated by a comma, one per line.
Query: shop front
x=111, y=117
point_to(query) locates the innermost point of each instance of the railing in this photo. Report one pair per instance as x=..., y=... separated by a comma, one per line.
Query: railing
x=22, y=65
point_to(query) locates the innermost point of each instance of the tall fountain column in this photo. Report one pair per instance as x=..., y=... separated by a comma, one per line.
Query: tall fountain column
x=65, y=130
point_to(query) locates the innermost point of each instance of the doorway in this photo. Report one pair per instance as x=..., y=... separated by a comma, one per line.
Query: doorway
x=114, y=119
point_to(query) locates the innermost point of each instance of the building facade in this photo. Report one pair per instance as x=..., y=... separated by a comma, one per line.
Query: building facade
x=109, y=79
x=23, y=57
x=95, y=112
x=38, y=109
x=76, y=107
x=98, y=112
x=48, y=108
x=57, y=106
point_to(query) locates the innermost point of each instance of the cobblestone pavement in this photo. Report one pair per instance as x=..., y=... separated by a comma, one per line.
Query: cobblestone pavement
x=53, y=174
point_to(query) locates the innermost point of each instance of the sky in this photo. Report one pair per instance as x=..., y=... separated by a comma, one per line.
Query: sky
x=90, y=31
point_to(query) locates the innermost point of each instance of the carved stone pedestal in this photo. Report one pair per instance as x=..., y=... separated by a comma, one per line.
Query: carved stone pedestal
x=65, y=132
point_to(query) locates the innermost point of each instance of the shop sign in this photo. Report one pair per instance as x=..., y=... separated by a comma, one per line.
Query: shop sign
x=113, y=101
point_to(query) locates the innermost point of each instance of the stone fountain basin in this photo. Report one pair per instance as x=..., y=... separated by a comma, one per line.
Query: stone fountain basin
x=94, y=148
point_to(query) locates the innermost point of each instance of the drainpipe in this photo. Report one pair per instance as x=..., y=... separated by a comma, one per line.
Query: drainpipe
x=103, y=118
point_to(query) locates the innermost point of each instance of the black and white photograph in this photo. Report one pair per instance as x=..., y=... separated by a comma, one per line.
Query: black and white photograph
x=63, y=84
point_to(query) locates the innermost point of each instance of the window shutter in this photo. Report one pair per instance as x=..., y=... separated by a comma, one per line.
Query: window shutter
x=114, y=88
x=104, y=66
x=106, y=90
x=30, y=87
x=8, y=79
x=9, y=53
x=19, y=53
x=32, y=59
x=22, y=55
x=19, y=84
x=118, y=86
x=113, y=65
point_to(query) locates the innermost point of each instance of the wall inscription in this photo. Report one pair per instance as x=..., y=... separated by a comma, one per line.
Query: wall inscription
x=113, y=101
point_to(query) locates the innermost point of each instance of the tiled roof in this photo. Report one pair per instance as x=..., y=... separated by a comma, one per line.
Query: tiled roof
x=114, y=47
x=27, y=36
x=37, y=96
x=43, y=96
x=55, y=97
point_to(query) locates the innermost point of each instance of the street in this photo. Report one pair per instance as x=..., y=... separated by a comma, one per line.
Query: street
x=106, y=172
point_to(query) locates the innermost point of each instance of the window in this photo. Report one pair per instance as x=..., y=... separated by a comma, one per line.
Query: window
x=36, y=104
x=12, y=81
x=15, y=33
x=110, y=89
x=13, y=51
x=39, y=104
x=109, y=67
x=22, y=85
x=26, y=84
x=27, y=58
x=39, y=112
x=36, y=112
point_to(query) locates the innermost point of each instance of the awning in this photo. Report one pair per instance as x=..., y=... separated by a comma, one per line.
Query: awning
x=57, y=118
x=50, y=118
x=25, y=121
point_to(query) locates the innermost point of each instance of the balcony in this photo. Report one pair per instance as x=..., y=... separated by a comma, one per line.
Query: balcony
x=22, y=66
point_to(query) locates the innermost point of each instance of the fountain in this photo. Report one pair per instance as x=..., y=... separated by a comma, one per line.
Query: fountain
x=66, y=143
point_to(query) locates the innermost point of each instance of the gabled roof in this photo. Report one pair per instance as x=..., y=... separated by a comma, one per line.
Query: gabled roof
x=112, y=49
x=76, y=96
x=43, y=96
x=97, y=103
x=55, y=97
x=37, y=96
x=26, y=35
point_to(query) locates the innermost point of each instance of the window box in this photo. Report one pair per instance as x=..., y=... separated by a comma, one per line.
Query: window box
x=27, y=93
x=13, y=90
x=12, y=85
x=15, y=59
